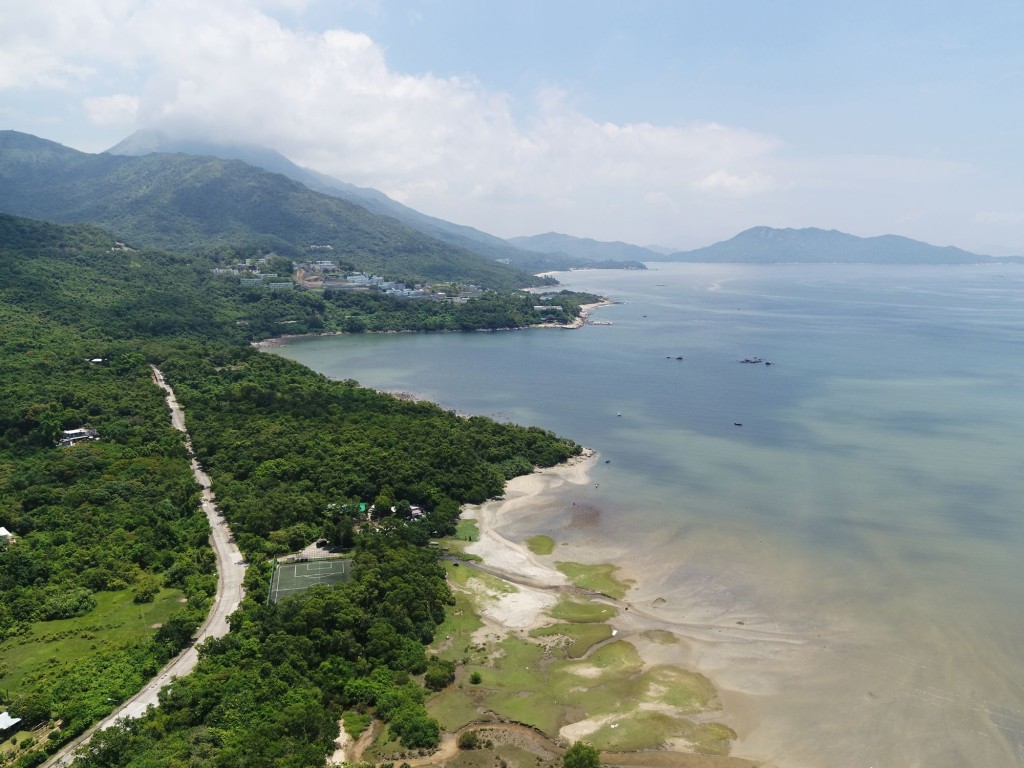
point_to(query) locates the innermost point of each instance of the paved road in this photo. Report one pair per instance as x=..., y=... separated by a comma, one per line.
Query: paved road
x=230, y=572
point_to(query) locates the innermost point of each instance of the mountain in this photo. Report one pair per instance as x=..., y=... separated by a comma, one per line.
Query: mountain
x=765, y=245
x=188, y=203
x=147, y=142
x=585, y=248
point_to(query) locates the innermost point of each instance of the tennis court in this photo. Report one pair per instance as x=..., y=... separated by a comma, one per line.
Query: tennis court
x=295, y=578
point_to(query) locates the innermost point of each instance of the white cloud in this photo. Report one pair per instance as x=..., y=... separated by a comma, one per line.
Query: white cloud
x=328, y=100
x=723, y=181
x=445, y=145
x=119, y=109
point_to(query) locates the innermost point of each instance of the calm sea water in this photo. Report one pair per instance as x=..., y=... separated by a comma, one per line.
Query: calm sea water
x=865, y=522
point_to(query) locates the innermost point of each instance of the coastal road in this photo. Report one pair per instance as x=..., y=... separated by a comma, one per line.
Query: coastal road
x=230, y=573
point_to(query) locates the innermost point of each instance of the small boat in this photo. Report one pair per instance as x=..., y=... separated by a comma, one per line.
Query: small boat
x=619, y=413
x=737, y=424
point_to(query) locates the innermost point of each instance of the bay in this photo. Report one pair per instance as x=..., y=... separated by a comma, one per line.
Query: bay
x=839, y=533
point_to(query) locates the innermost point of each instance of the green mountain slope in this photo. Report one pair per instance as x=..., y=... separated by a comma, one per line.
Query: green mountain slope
x=530, y=259
x=190, y=203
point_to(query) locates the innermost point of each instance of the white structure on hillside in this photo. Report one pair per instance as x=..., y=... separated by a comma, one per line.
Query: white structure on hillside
x=73, y=436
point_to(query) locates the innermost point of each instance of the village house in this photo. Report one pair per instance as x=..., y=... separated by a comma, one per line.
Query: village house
x=71, y=437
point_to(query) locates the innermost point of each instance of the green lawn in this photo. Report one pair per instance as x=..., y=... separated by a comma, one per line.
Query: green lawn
x=466, y=532
x=115, y=621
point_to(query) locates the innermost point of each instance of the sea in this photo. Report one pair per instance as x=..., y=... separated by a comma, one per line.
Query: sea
x=842, y=529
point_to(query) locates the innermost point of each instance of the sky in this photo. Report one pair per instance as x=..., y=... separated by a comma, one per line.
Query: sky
x=657, y=122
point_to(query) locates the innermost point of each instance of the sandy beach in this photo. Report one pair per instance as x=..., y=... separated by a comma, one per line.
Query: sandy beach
x=664, y=629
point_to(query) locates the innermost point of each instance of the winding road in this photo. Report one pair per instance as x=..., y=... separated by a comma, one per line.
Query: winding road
x=230, y=573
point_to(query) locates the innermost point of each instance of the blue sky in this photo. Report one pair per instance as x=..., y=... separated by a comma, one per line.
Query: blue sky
x=674, y=123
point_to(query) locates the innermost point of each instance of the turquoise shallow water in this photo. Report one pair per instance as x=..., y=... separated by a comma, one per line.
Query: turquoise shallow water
x=867, y=512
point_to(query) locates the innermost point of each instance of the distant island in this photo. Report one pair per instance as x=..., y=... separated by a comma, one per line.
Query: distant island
x=767, y=245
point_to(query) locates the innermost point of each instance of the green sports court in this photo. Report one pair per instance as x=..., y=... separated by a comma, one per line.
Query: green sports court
x=295, y=578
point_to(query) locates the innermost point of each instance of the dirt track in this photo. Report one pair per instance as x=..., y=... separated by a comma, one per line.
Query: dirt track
x=230, y=572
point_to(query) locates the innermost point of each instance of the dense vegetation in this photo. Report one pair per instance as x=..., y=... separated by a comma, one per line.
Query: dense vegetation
x=78, y=277
x=116, y=516
x=284, y=443
x=364, y=311
x=291, y=454
x=271, y=692
x=187, y=203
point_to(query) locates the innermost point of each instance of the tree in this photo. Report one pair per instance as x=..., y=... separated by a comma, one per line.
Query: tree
x=32, y=707
x=440, y=674
x=581, y=755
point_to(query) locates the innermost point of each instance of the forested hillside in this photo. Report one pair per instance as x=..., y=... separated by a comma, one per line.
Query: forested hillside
x=109, y=570
x=186, y=203
x=146, y=142
x=107, y=537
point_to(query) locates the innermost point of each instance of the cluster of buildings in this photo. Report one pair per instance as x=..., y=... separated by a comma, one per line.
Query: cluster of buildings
x=325, y=274
x=250, y=273
x=362, y=281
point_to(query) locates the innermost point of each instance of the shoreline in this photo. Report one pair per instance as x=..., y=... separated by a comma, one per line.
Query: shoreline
x=660, y=635
x=283, y=340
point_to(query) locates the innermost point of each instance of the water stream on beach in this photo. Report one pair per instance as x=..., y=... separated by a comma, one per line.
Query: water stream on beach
x=839, y=533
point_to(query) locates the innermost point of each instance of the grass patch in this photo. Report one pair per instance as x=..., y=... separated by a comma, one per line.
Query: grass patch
x=454, y=707
x=579, y=638
x=517, y=686
x=466, y=532
x=581, y=612
x=687, y=691
x=619, y=657
x=596, y=578
x=356, y=722
x=479, y=583
x=114, y=622
x=541, y=545
x=466, y=529
x=384, y=747
x=453, y=640
x=660, y=636
x=651, y=730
